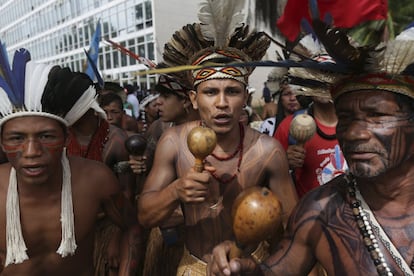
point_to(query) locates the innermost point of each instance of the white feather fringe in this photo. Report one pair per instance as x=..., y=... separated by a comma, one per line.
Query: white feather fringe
x=5, y=104
x=398, y=55
x=16, y=247
x=68, y=243
x=35, y=82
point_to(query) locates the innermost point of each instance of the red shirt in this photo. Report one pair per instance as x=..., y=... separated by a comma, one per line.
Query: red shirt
x=323, y=160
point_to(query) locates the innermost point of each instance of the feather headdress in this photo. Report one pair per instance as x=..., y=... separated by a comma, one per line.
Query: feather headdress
x=220, y=38
x=275, y=79
x=387, y=66
x=219, y=19
x=166, y=84
x=148, y=99
x=29, y=89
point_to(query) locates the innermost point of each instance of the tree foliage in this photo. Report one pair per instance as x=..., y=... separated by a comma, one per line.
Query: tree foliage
x=401, y=12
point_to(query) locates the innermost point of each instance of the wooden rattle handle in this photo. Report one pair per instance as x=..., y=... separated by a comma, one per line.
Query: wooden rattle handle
x=235, y=251
x=198, y=165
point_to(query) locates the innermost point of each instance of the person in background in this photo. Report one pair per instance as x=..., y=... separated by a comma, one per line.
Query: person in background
x=254, y=116
x=92, y=137
x=320, y=159
x=266, y=94
x=128, y=122
x=287, y=104
x=174, y=108
x=166, y=243
x=111, y=103
x=269, y=107
x=132, y=100
x=149, y=112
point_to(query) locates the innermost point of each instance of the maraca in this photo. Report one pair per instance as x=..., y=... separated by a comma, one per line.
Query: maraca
x=256, y=214
x=302, y=128
x=135, y=145
x=201, y=142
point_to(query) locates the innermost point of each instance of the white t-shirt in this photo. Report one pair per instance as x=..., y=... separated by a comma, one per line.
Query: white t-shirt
x=133, y=100
x=268, y=126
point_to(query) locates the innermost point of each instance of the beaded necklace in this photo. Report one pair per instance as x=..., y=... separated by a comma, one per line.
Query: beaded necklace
x=95, y=146
x=238, y=150
x=370, y=229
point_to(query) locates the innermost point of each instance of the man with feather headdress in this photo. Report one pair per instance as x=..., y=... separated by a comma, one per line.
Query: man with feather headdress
x=242, y=157
x=49, y=201
x=359, y=223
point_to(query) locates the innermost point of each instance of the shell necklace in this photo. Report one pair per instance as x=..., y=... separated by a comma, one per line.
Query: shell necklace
x=370, y=229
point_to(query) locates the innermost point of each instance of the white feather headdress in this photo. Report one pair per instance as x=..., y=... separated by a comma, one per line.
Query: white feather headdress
x=23, y=92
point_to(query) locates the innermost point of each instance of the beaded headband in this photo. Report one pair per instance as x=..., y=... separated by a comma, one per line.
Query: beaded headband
x=215, y=57
x=148, y=99
x=167, y=84
x=370, y=82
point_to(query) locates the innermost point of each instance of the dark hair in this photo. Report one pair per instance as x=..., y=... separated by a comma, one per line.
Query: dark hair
x=304, y=102
x=166, y=91
x=106, y=99
x=403, y=102
x=112, y=86
x=129, y=89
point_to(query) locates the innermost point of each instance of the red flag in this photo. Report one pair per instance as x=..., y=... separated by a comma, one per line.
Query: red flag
x=345, y=13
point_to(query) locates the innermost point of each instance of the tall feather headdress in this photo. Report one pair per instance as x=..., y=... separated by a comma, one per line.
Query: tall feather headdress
x=311, y=82
x=219, y=19
x=29, y=89
x=387, y=66
x=221, y=37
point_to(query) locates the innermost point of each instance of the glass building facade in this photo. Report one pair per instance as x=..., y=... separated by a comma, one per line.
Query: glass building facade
x=58, y=32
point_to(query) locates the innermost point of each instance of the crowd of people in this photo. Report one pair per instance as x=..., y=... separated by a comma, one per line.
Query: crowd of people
x=76, y=199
